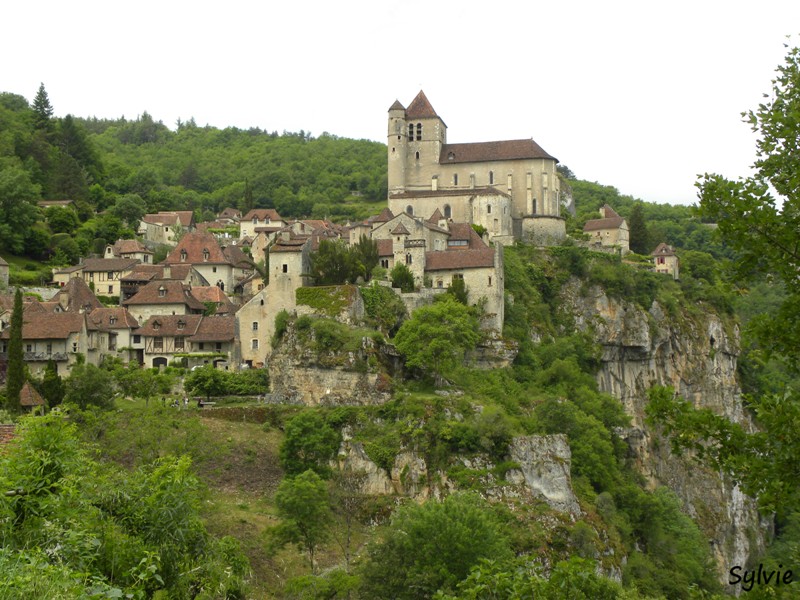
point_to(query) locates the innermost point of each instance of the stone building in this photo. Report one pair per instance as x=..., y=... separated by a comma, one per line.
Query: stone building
x=666, y=261
x=218, y=265
x=610, y=230
x=510, y=187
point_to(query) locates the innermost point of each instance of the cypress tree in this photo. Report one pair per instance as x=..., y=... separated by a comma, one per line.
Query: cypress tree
x=639, y=236
x=15, y=375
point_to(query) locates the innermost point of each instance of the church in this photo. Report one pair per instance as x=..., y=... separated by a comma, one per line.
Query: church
x=509, y=187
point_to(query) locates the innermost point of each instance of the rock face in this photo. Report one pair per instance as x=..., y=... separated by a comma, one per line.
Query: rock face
x=544, y=468
x=696, y=355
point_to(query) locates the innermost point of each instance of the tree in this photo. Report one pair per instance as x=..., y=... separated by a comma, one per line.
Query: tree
x=335, y=263
x=53, y=388
x=763, y=229
x=89, y=385
x=310, y=443
x=458, y=289
x=43, y=111
x=366, y=251
x=402, y=278
x=130, y=209
x=302, y=503
x=61, y=220
x=637, y=226
x=15, y=372
x=206, y=381
x=18, y=211
x=436, y=337
x=432, y=547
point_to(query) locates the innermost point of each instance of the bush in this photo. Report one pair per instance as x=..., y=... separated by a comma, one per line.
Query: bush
x=402, y=278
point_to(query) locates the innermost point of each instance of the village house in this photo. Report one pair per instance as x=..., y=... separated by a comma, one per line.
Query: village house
x=111, y=333
x=104, y=274
x=144, y=274
x=129, y=249
x=260, y=217
x=223, y=267
x=213, y=342
x=46, y=336
x=164, y=336
x=610, y=230
x=666, y=261
x=509, y=187
x=163, y=297
x=166, y=226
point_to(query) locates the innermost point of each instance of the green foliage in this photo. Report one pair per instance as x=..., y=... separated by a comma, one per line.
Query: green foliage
x=366, y=251
x=53, y=388
x=433, y=546
x=335, y=263
x=310, y=444
x=281, y=326
x=639, y=237
x=330, y=300
x=402, y=278
x=206, y=381
x=209, y=381
x=436, y=337
x=90, y=386
x=302, y=503
x=458, y=289
x=383, y=307
x=15, y=371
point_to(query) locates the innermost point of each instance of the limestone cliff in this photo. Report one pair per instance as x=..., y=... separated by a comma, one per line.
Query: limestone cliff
x=695, y=354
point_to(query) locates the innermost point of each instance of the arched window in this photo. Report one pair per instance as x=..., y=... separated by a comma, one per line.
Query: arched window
x=183, y=255
x=447, y=211
x=455, y=178
x=419, y=132
x=416, y=155
x=408, y=259
x=410, y=210
x=491, y=177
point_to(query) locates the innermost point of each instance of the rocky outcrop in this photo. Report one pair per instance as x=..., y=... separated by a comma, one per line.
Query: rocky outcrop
x=695, y=354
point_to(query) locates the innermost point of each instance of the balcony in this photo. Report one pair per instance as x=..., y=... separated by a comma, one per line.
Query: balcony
x=43, y=356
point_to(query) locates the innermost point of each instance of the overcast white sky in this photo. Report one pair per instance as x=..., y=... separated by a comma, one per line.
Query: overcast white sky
x=639, y=95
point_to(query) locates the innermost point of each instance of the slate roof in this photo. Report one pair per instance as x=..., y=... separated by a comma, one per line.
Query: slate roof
x=491, y=151
x=100, y=319
x=28, y=396
x=48, y=326
x=236, y=257
x=611, y=220
x=170, y=325
x=291, y=245
x=175, y=292
x=663, y=249
x=420, y=108
x=215, y=328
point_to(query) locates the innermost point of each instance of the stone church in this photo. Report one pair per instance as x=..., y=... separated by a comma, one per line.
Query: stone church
x=510, y=187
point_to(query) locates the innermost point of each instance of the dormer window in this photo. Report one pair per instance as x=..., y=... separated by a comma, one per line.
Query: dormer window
x=162, y=291
x=156, y=325
x=181, y=324
x=255, y=220
x=112, y=320
x=206, y=254
x=451, y=156
x=184, y=254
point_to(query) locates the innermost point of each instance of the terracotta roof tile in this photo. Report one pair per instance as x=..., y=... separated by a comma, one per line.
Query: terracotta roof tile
x=94, y=265
x=129, y=247
x=383, y=217
x=262, y=214
x=385, y=248
x=420, y=108
x=28, y=396
x=48, y=326
x=611, y=220
x=490, y=151
x=79, y=295
x=400, y=229
x=170, y=325
x=663, y=249
x=7, y=433
x=216, y=328
x=165, y=291
x=459, y=259
x=436, y=217
x=197, y=245
x=108, y=319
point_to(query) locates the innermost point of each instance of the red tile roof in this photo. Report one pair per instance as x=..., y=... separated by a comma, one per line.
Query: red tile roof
x=491, y=151
x=28, y=396
x=663, y=249
x=94, y=265
x=129, y=247
x=385, y=247
x=262, y=214
x=174, y=292
x=48, y=326
x=458, y=259
x=197, y=245
x=212, y=293
x=79, y=295
x=611, y=220
x=215, y=328
x=107, y=319
x=170, y=325
x=436, y=217
x=420, y=108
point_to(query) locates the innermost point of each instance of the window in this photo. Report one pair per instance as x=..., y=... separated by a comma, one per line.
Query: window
x=255, y=220
x=179, y=343
x=137, y=339
x=489, y=209
x=49, y=348
x=408, y=259
x=112, y=320
x=213, y=269
x=385, y=263
x=201, y=346
x=183, y=255
x=416, y=155
x=162, y=291
x=457, y=242
x=181, y=324
x=112, y=341
x=110, y=275
x=255, y=325
x=218, y=346
x=410, y=132
x=439, y=283
x=158, y=344
x=447, y=211
x=490, y=281
x=410, y=210
x=455, y=178
x=419, y=132
x=534, y=206
x=254, y=344
x=74, y=346
x=156, y=325
x=285, y=268
x=491, y=177
x=206, y=254
x=451, y=156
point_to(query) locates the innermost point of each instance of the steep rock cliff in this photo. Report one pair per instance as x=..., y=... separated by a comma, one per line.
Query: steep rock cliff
x=695, y=354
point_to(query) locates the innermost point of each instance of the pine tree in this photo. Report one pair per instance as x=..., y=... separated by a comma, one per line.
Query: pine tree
x=639, y=236
x=42, y=109
x=15, y=375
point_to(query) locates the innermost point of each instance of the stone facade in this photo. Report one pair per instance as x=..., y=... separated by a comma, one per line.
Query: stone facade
x=427, y=173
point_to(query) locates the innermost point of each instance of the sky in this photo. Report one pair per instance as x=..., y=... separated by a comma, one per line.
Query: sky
x=643, y=96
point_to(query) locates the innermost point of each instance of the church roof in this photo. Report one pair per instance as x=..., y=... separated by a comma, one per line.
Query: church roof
x=383, y=217
x=400, y=230
x=490, y=151
x=420, y=108
x=397, y=106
